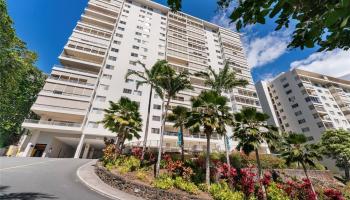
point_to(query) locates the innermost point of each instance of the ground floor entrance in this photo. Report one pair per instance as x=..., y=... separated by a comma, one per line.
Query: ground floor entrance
x=57, y=145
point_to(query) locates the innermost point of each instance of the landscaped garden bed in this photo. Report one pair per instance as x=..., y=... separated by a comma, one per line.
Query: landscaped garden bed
x=184, y=180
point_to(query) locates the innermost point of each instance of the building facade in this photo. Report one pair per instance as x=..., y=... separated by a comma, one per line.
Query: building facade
x=105, y=44
x=306, y=102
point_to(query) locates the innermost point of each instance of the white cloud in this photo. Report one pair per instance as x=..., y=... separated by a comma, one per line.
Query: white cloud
x=222, y=18
x=264, y=50
x=333, y=63
x=267, y=76
x=259, y=50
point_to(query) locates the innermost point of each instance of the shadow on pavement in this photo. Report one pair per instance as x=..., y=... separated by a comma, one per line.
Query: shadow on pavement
x=23, y=195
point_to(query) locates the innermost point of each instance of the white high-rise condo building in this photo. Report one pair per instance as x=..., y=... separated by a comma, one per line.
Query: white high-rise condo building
x=306, y=102
x=105, y=44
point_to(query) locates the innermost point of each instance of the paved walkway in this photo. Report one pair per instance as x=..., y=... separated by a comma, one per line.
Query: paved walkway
x=87, y=175
x=43, y=178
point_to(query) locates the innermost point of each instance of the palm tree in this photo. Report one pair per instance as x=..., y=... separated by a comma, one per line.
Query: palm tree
x=179, y=116
x=171, y=84
x=124, y=119
x=251, y=130
x=149, y=77
x=206, y=113
x=296, y=150
x=224, y=81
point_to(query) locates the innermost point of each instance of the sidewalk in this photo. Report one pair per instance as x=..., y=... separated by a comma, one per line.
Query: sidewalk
x=87, y=176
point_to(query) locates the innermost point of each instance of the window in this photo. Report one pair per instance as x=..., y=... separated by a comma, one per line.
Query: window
x=138, y=33
x=111, y=67
x=155, y=118
x=288, y=92
x=122, y=22
x=104, y=87
x=113, y=58
x=144, y=49
x=137, y=40
x=129, y=80
x=101, y=98
x=126, y=11
x=301, y=121
x=155, y=130
x=298, y=113
x=285, y=85
x=160, y=54
x=97, y=110
x=127, y=91
x=134, y=55
x=300, y=84
x=323, y=97
x=135, y=47
x=306, y=129
x=319, y=124
x=117, y=42
x=157, y=107
x=132, y=62
x=295, y=105
x=332, y=112
x=115, y=50
x=107, y=76
x=138, y=92
x=139, y=27
x=119, y=35
x=93, y=125
x=121, y=28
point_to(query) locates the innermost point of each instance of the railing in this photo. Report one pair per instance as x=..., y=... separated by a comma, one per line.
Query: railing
x=53, y=123
x=170, y=133
x=66, y=93
x=59, y=107
x=76, y=69
x=71, y=81
x=192, y=147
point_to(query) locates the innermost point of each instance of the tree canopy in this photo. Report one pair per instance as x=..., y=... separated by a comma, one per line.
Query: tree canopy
x=20, y=80
x=324, y=23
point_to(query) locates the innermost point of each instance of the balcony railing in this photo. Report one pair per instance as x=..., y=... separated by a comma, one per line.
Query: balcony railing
x=170, y=133
x=59, y=107
x=77, y=69
x=53, y=123
x=70, y=81
x=65, y=93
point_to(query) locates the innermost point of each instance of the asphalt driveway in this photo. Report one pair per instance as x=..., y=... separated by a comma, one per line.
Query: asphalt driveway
x=43, y=178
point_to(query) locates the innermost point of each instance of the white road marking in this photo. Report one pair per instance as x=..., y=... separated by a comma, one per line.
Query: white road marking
x=19, y=166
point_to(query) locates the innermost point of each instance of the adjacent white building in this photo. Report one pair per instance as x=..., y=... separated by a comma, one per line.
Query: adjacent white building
x=306, y=102
x=105, y=44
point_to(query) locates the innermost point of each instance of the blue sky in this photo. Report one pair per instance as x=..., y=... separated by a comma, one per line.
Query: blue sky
x=45, y=26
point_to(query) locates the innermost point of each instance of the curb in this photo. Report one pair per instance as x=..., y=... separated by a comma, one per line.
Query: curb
x=91, y=187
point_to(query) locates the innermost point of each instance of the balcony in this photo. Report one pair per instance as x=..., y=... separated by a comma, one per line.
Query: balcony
x=53, y=126
x=73, y=81
x=56, y=93
x=197, y=136
x=62, y=111
x=75, y=70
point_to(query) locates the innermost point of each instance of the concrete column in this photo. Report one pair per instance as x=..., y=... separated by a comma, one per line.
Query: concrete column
x=86, y=151
x=30, y=146
x=79, y=147
x=91, y=153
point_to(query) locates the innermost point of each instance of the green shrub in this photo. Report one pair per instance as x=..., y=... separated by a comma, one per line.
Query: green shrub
x=203, y=186
x=163, y=182
x=221, y=191
x=185, y=186
x=275, y=193
x=123, y=169
x=109, y=166
x=132, y=163
x=141, y=174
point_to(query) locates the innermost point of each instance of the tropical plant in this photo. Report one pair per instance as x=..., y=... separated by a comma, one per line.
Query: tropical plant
x=317, y=23
x=206, y=113
x=149, y=77
x=171, y=84
x=221, y=191
x=20, y=80
x=123, y=118
x=336, y=144
x=252, y=131
x=296, y=150
x=224, y=81
x=179, y=117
